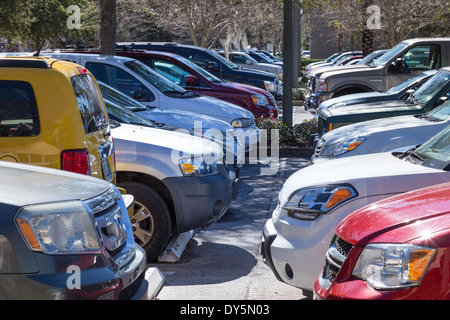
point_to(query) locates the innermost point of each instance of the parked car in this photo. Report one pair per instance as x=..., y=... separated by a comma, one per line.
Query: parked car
x=192, y=77
x=381, y=135
x=215, y=64
x=396, y=249
x=66, y=236
x=179, y=181
x=64, y=129
x=402, y=62
x=431, y=94
x=333, y=63
x=263, y=58
x=327, y=60
x=139, y=81
x=245, y=60
x=268, y=55
x=401, y=91
x=315, y=199
x=306, y=54
x=175, y=119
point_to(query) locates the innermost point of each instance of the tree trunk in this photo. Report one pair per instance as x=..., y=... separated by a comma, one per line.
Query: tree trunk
x=108, y=27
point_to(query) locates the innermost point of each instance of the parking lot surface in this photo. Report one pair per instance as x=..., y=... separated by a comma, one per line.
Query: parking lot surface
x=224, y=262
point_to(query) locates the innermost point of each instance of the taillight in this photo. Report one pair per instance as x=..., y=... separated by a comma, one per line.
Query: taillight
x=76, y=161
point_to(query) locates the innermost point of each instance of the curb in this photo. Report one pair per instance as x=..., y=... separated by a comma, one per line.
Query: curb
x=155, y=280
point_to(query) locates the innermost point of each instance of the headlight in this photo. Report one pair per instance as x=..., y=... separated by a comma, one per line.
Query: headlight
x=260, y=100
x=197, y=166
x=322, y=86
x=59, y=228
x=392, y=266
x=344, y=146
x=310, y=203
x=270, y=86
x=243, y=123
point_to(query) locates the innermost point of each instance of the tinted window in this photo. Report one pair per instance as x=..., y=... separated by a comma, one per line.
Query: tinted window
x=118, y=79
x=423, y=57
x=18, y=110
x=90, y=103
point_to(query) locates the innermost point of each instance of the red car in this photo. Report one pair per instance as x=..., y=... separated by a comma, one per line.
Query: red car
x=395, y=249
x=196, y=79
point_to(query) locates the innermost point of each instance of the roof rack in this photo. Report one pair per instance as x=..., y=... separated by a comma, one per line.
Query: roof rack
x=23, y=63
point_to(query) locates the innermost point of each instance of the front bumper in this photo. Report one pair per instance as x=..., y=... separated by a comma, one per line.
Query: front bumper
x=200, y=201
x=313, y=100
x=94, y=278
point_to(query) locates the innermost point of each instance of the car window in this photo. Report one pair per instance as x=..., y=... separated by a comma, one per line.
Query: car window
x=18, y=110
x=435, y=153
x=238, y=59
x=90, y=103
x=173, y=72
x=425, y=57
x=118, y=79
x=430, y=88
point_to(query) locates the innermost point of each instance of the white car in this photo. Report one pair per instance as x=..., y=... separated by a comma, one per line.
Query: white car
x=244, y=60
x=315, y=199
x=137, y=80
x=381, y=135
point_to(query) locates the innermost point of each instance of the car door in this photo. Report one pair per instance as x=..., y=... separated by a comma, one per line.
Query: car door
x=123, y=81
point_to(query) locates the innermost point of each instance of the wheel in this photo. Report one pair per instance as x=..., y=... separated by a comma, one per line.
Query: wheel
x=151, y=221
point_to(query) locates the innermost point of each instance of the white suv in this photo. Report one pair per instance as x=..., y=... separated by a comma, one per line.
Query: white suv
x=315, y=199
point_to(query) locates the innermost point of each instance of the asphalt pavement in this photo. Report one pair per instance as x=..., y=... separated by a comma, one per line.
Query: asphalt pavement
x=225, y=262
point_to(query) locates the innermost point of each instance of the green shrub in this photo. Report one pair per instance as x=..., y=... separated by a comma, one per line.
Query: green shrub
x=298, y=94
x=297, y=135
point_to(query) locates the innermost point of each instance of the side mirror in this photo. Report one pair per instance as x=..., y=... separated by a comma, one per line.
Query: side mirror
x=212, y=65
x=141, y=95
x=191, y=81
x=248, y=62
x=407, y=94
x=441, y=100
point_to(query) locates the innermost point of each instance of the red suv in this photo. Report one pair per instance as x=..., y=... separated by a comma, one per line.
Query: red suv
x=196, y=79
x=396, y=249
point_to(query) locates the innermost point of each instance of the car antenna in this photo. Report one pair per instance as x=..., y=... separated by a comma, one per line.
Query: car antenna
x=40, y=48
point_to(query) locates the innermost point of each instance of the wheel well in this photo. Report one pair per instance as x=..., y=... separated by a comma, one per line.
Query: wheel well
x=153, y=182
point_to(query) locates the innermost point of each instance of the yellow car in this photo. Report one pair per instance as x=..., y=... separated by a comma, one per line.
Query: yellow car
x=52, y=114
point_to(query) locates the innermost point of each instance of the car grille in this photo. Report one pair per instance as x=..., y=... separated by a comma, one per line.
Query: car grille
x=335, y=258
x=318, y=148
x=110, y=224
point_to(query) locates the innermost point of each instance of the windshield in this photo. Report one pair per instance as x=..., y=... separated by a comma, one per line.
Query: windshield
x=120, y=99
x=435, y=153
x=223, y=60
x=430, y=88
x=249, y=57
x=388, y=56
x=154, y=78
x=199, y=70
x=123, y=115
x=441, y=113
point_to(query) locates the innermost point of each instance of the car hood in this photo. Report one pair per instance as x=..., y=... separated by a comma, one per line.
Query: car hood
x=370, y=174
x=171, y=140
x=214, y=108
x=185, y=120
x=243, y=87
x=373, y=107
x=253, y=74
x=317, y=72
x=354, y=71
x=27, y=185
x=374, y=126
x=356, y=98
x=394, y=221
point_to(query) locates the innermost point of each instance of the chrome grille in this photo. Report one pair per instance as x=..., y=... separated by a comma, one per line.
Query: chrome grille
x=335, y=258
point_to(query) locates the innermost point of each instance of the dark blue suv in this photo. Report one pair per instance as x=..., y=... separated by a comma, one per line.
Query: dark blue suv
x=215, y=64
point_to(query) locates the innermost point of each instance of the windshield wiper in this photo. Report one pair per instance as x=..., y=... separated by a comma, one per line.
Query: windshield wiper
x=411, y=153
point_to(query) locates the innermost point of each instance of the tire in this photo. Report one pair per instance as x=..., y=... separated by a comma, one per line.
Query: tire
x=151, y=221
